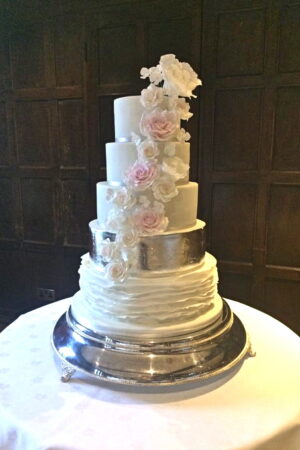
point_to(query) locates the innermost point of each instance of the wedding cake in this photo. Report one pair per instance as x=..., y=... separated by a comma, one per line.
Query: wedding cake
x=147, y=274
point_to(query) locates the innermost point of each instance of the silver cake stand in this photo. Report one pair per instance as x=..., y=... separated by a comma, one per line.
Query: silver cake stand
x=180, y=359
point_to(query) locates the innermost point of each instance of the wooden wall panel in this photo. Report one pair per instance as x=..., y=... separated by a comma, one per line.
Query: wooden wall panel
x=28, y=64
x=283, y=243
x=276, y=301
x=38, y=209
x=76, y=216
x=69, y=49
x=287, y=129
x=235, y=286
x=176, y=41
x=289, y=36
x=233, y=214
x=5, y=78
x=7, y=209
x=237, y=139
x=245, y=55
x=120, y=43
x=33, y=124
x=4, y=149
x=71, y=123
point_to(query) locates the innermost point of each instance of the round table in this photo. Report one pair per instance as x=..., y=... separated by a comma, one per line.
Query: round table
x=256, y=405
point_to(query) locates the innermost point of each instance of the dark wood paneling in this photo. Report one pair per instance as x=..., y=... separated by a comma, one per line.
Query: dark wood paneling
x=5, y=78
x=237, y=139
x=4, y=150
x=76, y=197
x=117, y=54
x=283, y=237
x=69, y=51
x=279, y=305
x=289, y=60
x=38, y=209
x=28, y=65
x=7, y=209
x=233, y=214
x=235, y=286
x=71, y=121
x=243, y=55
x=177, y=40
x=287, y=129
x=33, y=122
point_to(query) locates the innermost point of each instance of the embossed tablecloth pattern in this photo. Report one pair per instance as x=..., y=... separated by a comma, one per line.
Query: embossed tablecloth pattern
x=253, y=404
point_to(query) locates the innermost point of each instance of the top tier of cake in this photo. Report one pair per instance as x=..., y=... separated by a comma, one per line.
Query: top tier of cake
x=127, y=112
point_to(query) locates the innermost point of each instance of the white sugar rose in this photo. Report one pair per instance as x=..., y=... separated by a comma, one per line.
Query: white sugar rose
x=116, y=271
x=110, y=194
x=164, y=188
x=147, y=150
x=127, y=238
x=179, y=78
x=150, y=221
x=141, y=175
x=152, y=96
x=107, y=250
x=175, y=167
x=160, y=125
x=182, y=135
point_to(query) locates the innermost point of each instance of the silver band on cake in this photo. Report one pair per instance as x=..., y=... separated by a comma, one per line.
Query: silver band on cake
x=169, y=251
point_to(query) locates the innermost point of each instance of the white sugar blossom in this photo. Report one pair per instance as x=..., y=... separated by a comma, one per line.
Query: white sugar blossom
x=175, y=167
x=164, y=188
x=110, y=194
x=124, y=198
x=179, y=78
x=181, y=106
x=144, y=201
x=152, y=96
x=127, y=238
x=116, y=220
x=154, y=74
x=159, y=207
x=135, y=138
x=182, y=135
x=170, y=149
x=107, y=250
x=147, y=150
x=116, y=270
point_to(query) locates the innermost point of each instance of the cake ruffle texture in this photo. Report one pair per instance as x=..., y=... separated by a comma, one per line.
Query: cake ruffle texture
x=154, y=301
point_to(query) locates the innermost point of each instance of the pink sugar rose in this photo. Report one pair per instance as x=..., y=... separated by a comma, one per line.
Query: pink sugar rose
x=159, y=124
x=150, y=221
x=141, y=175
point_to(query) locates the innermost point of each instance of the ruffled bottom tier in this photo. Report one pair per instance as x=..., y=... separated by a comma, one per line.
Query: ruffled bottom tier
x=148, y=304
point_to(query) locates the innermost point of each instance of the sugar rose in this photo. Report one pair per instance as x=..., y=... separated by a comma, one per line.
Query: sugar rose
x=160, y=125
x=150, y=221
x=141, y=175
x=116, y=271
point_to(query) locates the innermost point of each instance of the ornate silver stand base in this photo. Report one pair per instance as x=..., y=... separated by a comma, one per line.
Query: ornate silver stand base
x=180, y=359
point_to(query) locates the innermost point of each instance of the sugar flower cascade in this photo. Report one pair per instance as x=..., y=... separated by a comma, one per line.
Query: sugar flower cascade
x=138, y=208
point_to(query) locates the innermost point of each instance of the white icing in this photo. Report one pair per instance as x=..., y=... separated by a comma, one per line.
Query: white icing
x=128, y=112
x=148, y=303
x=180, y=210
x=121, y=155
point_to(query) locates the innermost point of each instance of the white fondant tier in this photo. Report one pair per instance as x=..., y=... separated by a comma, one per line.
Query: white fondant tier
x=150, y=304
x=121, y=155
x=128, y=112
x=180, y=210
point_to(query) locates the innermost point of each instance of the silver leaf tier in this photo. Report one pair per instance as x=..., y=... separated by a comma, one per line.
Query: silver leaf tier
x=168, y=251
x=180, y=359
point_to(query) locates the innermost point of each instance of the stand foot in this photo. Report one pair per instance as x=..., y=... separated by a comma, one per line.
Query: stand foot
x=67, y=373
x=251, y=353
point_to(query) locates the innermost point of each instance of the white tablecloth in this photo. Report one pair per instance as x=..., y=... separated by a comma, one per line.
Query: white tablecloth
x=255, y=406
